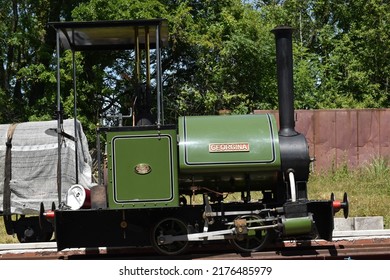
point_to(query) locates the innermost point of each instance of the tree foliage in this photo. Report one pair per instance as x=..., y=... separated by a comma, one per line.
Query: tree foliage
x=220, y=57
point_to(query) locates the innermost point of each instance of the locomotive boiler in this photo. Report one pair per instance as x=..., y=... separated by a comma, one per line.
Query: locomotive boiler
x=249, y=171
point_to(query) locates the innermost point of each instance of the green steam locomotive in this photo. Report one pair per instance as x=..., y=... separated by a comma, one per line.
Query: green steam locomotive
x=226, y=178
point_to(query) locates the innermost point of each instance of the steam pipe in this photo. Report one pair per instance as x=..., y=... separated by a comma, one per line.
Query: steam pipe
x=284, y=62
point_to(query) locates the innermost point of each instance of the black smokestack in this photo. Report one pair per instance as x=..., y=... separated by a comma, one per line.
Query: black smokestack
x=284, y=61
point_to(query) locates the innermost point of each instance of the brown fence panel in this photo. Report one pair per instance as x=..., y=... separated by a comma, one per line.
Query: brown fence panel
x=343, y=136
x=384, y=130
x=368, y=135
x=346, y=137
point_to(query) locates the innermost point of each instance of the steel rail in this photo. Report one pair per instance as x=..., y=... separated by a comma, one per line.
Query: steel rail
x=374, y=244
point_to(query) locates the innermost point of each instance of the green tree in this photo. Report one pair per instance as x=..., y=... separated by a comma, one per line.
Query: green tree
x=348, y=42
x=220, y=57
x=228, y=62
x=26, y=57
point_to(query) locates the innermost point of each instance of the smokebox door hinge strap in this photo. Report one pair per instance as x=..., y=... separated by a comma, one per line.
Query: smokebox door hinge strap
x=8, y=171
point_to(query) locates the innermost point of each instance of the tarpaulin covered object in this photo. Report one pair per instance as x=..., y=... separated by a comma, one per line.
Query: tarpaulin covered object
x=33, y=162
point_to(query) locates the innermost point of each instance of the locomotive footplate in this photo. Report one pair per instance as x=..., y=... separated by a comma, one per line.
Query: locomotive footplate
x=113, y=228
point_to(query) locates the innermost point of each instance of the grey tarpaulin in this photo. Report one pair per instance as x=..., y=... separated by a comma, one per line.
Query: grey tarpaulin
x=34, y=164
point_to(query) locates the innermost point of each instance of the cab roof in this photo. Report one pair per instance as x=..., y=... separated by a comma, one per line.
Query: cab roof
x=111, y=35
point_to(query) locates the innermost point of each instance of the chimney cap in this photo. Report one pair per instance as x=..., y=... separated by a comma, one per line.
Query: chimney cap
x=281, y=28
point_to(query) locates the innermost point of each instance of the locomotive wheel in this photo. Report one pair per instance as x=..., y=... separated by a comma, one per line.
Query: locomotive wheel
x=254, y=240
x=169, y=226
x=28, y=229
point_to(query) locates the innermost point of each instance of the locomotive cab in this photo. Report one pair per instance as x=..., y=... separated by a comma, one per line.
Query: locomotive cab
x=152, y=170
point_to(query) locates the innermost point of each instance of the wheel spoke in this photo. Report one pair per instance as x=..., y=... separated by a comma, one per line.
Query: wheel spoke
x=251, y=242
x=169, y=226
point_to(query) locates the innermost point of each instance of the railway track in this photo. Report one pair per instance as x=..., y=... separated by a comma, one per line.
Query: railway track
x=374, y=244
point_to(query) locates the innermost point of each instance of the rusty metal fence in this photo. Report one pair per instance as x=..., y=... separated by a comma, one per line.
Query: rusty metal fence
x=343, y=136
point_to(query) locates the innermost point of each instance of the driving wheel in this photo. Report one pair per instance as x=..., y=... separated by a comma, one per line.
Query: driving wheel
x=169, y=227
x=252, y=240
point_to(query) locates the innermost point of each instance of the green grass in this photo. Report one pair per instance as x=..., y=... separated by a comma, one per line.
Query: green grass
x=4, y=237
x=368, y=189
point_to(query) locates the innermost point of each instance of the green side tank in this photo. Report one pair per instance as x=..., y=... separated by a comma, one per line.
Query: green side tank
x=228, y=153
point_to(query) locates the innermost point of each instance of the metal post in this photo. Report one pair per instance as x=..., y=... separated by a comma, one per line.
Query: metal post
x=98, y=155
x=59, y=171
x=137, y=57
x=147, y=57
x=158, y=71
x=75, y=116
x=137, y=76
